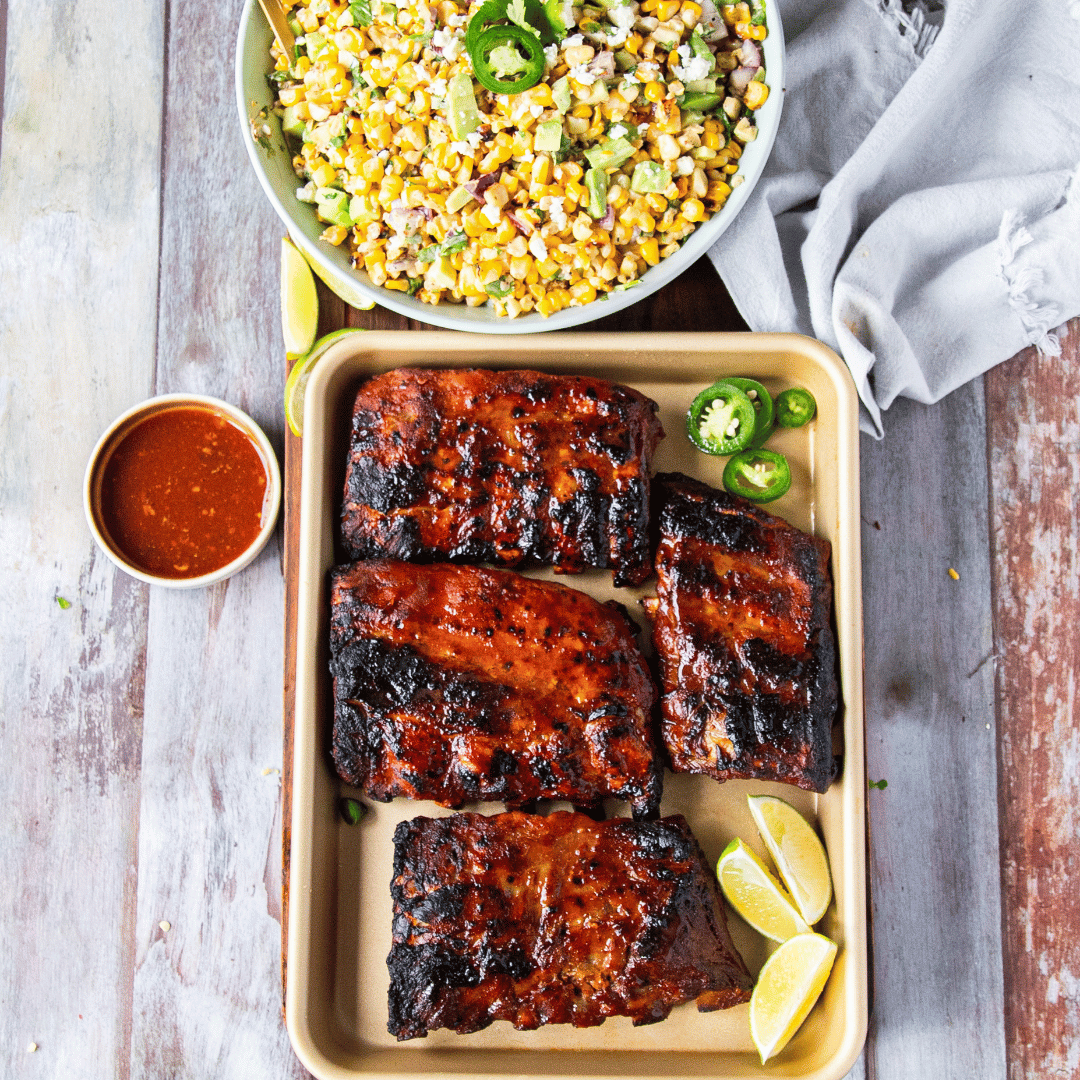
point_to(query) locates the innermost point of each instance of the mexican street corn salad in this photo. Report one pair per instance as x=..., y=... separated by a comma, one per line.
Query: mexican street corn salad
x=525, y=154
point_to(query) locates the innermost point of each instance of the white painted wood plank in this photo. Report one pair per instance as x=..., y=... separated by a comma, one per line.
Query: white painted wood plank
x=79, y=198
x=930, y=717
x=207, y=994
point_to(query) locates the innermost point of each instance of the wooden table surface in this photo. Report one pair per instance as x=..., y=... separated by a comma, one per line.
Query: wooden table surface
x=141, y=729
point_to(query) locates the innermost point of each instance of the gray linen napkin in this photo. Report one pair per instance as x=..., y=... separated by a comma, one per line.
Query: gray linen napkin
x=920, y=212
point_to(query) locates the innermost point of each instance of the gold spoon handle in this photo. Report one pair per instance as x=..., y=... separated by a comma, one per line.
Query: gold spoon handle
x=275, y=15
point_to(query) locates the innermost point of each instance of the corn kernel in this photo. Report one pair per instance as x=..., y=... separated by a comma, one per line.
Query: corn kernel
x=657, y=202
x=755, y=95
x=757, y=33
x=667, y=9
x=583, y=292
x=690, y=13
x=693, y=210
x=398, y=285
x=582, y=111
x=548, y=304
x=650, y=251
x=323, y=174
x=654, y=91
x=633, y=43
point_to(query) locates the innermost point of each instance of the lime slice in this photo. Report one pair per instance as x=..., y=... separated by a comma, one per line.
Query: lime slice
x=797, y=852
x=299, y=301
x=756, y=895
x=787, y=987
x=296, y=384
x=342, y=288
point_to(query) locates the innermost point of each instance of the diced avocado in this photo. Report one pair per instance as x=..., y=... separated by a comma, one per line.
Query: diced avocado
x=702, y=86
x=458, y=198
x=316, y=45
x=610, y=154
x=625, y=61
x=560, y=94
x=333, y=206
x=464, y=115
x=548, y=137
x=699, y=47
x=700, y=102
x=441, y=274
x=291, y=124
x=596, y=184
x=560, y=16
x=649, y=177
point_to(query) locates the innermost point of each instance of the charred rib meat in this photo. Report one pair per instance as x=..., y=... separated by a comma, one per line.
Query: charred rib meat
x=741, y=625
x=455, y=683
x=556, y=920
x=506, y=467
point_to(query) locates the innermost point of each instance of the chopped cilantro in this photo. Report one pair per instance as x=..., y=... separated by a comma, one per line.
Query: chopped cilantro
x=428, y=254
x=63, y=603
x=881, y=785
x=352, y=810
x=415, y=285
x=499, y=288
x=454, y=243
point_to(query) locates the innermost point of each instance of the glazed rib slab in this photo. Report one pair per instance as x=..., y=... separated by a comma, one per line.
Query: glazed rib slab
x=742, y=629
x=505, y=467
x=456, y=683
x=553, y=920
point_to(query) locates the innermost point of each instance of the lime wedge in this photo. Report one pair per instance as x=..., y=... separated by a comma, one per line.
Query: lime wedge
x=299, y=301
x=756, y=895
x=787, y=987
x=797, y=852
x=342, y=288
x=296, y=384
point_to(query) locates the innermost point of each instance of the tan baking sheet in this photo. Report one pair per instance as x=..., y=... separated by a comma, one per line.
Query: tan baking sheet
x=339, y=924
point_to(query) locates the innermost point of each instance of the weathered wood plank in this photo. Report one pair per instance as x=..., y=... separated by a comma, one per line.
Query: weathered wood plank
x=79, y=167
x=930, y=718
x=1033, y=441
x=206, y=997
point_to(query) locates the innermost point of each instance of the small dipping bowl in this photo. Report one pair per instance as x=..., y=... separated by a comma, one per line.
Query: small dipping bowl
x=182, y=490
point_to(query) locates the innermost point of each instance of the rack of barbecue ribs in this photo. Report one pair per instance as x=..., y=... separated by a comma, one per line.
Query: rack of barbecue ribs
x=456, y=683
x=741, y=624
x=553, y=920
x=505, y=467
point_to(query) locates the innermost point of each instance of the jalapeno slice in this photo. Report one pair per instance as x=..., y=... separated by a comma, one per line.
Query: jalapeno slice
x=758, y=475
x=516, y=38
x=721, y=419
x=795, y=407
x=763, y=407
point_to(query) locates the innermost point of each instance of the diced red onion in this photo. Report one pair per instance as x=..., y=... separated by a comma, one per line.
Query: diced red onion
x=608, y=220
x=741, y=78
x=750, y=54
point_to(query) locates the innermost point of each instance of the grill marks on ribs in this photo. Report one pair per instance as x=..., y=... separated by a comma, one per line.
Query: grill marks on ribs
x=456, y=683
x=551, y=921
x=507, y=467
x=741, y=625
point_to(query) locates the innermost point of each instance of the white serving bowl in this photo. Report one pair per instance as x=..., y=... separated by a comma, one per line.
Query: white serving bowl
x=115, y=434
x=273, y=167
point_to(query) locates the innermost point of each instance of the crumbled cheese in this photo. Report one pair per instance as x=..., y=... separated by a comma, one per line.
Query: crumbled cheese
x=461, y=148
x=551, y=55
x=449, y=42
x=456, y=20
x=474, y=139
x=307, y=192
x=438, y=88
x=582, y=74
x=347, y=60
x=575, y=39
x=492, y=213
x=647, y=71
x=618, y=131
x=692, y=67
x=536, y=110
x=383, y=155
x=552, y=205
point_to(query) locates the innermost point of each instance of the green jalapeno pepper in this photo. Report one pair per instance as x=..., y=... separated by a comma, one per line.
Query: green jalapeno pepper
x=523, y=42
x=763, y=407
x=795, y=408
x=758, y=475
x=721, y=419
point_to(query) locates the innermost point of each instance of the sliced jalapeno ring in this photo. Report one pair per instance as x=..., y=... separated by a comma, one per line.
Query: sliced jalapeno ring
x=492, y=12
x=758, y=475
x=524, y=42
x=763, y=407
x=795, y=407
x=721, y=420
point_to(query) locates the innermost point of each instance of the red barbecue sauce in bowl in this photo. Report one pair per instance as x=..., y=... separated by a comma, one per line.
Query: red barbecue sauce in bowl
x=183, y=492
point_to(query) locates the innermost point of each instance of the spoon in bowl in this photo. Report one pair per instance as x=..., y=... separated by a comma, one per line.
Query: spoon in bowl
x=276, y=17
